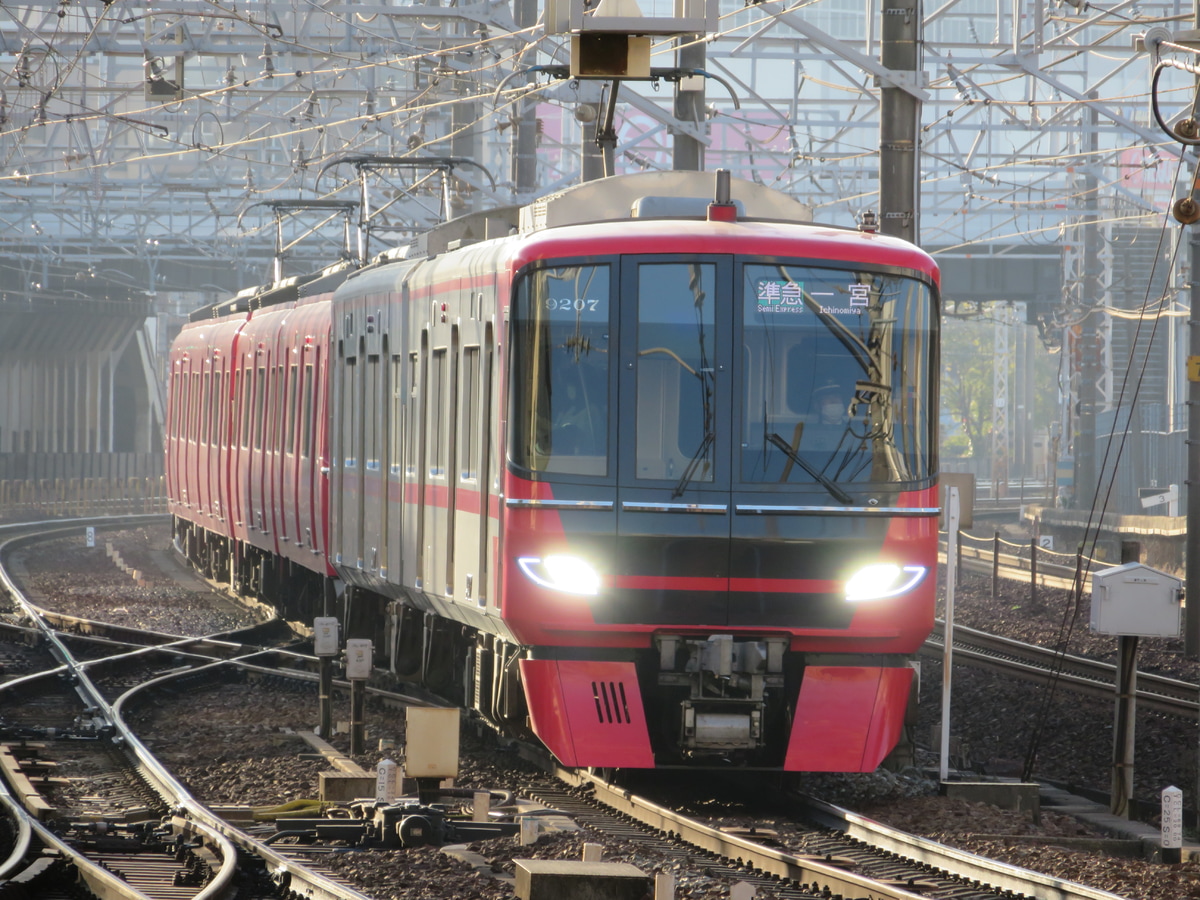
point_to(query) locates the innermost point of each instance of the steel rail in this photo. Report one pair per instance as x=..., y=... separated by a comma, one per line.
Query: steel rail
x=829, y=878
x=286, y=872
x=19, y=817
x=962, y=862
x=219, y=836
x=1040, y=664
x=803, y=870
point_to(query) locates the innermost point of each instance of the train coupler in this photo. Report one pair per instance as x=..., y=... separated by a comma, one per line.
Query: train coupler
x=726, y=680
x=719, y=726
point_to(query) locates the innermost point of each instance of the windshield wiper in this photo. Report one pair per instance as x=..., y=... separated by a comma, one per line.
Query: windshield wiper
x=690, y=472
x=834, y=490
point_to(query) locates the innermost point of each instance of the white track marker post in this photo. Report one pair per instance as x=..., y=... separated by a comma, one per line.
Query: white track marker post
x=1172, y=825
x=952, y=518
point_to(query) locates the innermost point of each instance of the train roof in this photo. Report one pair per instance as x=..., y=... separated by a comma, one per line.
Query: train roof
x=642, y=195
x=289, y=290
x=657, y=195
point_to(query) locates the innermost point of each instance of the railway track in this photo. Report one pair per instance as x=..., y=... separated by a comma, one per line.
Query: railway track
x=1041, y=664
x=194, y=853
x=115, y=844
x=832, y=852
x=1080, y=674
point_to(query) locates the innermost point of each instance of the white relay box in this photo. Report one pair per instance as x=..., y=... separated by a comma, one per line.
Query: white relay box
x=1137, y=601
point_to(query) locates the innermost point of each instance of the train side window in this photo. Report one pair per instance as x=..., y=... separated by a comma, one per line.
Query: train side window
x=414, y=408
x=210, y=411
x=470, y=414
x=194, y=409
x=289, y=413
x=559, y=387
x=371, y=419
x=350, y=436
x=205, y=405
x=260, y=413
x=437, y=414
x=172, y=378
x=306, y=421
x=275, y=436
x=247, y=403
x=181, y=382
x=396, y=423
x=218, y=408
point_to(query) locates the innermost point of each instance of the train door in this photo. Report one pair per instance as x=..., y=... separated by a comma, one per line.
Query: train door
x=355, y=484
x=467, y=525
x=274, y=447
x=348, y=429
x=259, y=521
x=175, y=420
x=309, y=497
x=437, y=443
x=484, y=592
x=319, y=368
x=397, y=477
x=372, y=524
x=451, y=454
x=192, y=429
x=415, y=470
x=220, y=414
x=238, y=465
x=674, y=467
x=205, y=467
x=290, y=528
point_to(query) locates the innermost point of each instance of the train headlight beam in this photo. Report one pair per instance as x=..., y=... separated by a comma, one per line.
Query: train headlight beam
x=879, y=581
x=560, y=572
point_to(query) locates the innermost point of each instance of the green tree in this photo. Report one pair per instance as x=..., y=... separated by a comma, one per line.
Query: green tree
x=967, y=351
x=968, y=382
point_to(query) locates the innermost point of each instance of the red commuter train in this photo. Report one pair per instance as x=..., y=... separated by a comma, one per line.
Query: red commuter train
x=645, y=468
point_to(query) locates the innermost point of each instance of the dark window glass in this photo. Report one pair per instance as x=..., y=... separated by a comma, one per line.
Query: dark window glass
x=836, y=376
x=560, y=371
x=675, y=369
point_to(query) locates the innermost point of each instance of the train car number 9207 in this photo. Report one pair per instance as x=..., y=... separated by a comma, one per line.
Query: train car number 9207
x=575, y=305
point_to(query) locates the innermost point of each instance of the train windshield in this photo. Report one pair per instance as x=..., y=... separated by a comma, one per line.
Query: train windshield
x=836, y=376
x=560, y=371
x=730, y=371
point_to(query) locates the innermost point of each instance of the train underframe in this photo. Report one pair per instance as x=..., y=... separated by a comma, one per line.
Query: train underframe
x=713, y=699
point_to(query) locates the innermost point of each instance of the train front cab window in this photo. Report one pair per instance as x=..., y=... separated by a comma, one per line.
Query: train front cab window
x=834, y=378
x=560, y=371
x=676, y=372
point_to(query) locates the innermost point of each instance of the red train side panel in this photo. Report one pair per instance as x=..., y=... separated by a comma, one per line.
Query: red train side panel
x=847, y=713
x=588, y=712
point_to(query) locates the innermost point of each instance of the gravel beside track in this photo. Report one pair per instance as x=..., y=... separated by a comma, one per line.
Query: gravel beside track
x=77, y=580
x=231, y=744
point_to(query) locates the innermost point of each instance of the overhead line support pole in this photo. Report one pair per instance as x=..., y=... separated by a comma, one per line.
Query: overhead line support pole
x=1191, y=611
x=1191, y=622
x=899, y=120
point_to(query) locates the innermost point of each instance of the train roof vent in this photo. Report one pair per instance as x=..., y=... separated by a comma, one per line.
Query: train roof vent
x=678, y=208
x=468, y=229
x=620, y=197
x=327, y=280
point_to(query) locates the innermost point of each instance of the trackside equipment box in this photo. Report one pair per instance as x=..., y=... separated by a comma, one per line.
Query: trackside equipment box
x=1136, y=601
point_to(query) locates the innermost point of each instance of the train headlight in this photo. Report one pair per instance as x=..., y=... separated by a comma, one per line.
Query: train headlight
x=881, y=580
x=568, y=574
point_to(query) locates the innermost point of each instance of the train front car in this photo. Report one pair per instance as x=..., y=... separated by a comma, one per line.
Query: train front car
x=719, y=523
